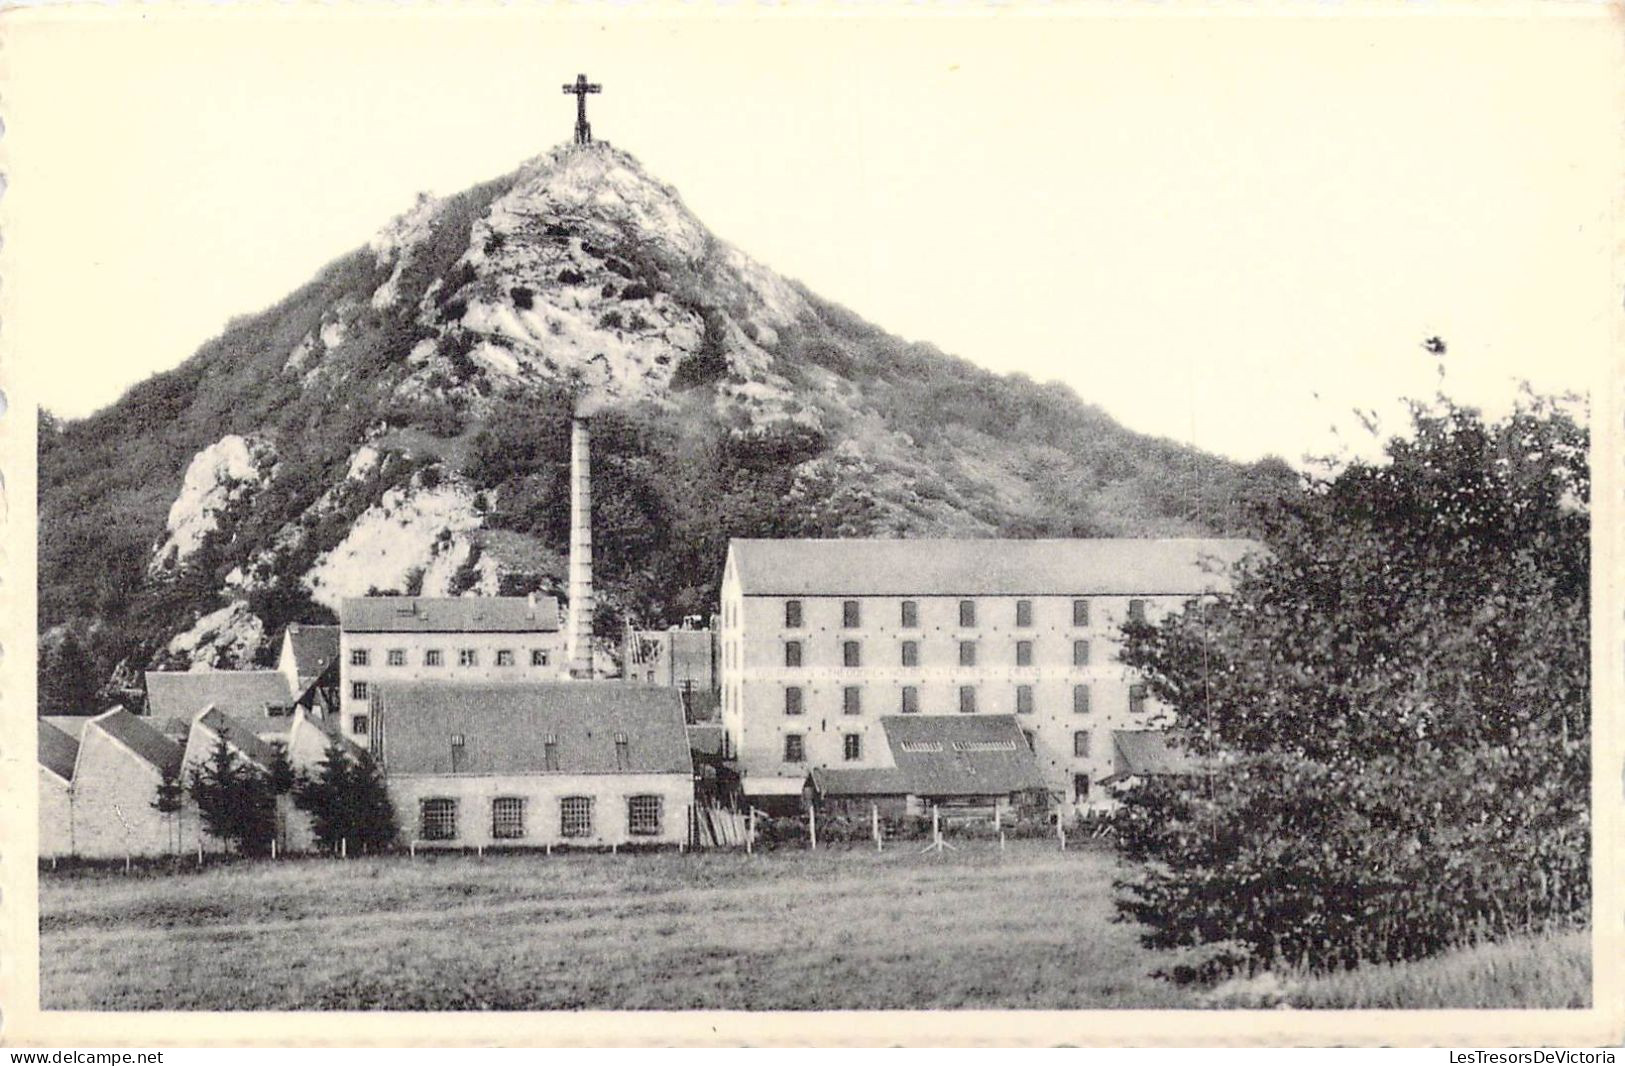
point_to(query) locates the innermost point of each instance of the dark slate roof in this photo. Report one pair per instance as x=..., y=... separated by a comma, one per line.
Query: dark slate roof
x=1095, y=567
x=961, y=754
x=140, y=737
x=57, y=751
x=465, y=614
x=315, y=648
x=239, y=736
x=241, y=693
x=1146, y=753
x=505, y=727
x=706, y=738
x=868, y=781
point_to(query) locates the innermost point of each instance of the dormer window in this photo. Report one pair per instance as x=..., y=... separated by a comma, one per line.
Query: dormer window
x=623, y=752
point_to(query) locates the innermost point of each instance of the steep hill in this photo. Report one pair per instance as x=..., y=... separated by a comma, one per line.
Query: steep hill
x=400, y=423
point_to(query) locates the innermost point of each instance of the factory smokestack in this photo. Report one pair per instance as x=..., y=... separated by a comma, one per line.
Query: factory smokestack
x=579, y=637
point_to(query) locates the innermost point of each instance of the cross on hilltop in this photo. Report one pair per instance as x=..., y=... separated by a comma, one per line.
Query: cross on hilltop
x=581, y=88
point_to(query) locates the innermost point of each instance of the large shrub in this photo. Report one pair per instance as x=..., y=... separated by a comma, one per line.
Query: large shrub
x=1393, y=708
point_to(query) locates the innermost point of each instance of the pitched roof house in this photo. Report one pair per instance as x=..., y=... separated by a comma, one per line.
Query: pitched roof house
x=253, y=695
x=461, y=614
x=307, y=653
x=120, y=763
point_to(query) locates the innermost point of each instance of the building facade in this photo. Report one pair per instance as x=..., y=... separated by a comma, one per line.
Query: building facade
x=822, y=638
x=392, y=639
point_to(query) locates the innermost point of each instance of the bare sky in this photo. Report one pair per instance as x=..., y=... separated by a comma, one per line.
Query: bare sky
x=1222, y=230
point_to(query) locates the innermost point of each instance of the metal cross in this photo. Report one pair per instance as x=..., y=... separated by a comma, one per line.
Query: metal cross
x=581, y=88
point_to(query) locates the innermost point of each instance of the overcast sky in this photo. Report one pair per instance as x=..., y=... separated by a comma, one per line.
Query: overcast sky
x=1222, y=230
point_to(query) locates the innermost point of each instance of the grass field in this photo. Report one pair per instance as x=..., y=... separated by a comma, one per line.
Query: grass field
x=835, y=929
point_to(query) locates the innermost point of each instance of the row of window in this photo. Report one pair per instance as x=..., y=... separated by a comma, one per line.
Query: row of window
x=909, y=653
x=852, y=699
x=795, y=745
x=909, y=613
x=437, y=817
x=436, y=657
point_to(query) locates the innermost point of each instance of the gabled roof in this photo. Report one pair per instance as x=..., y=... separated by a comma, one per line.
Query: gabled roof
x=57, y=751
x=962, y=754
x=1148, y=753
x=464, y=614
x=138, y=736
x=1092, y=567
x=505, y=727
x=238, y=735
x=71, y=724
x=241, y=693
x=868, y=781
x=314, y=648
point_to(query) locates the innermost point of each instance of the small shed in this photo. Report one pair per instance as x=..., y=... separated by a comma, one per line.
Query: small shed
x=858, y=793
x=967, y=766
x=1141, y=753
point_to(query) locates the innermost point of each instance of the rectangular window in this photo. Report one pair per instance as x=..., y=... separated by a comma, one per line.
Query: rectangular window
x=792, y=653
x=643, y=816
x=468, y=657
x=1136, y=699
x=1080, y=653
x=1080, y=744
x=852, y=747
x=432, y=657
x=538, y=657
x=967, y=612
x=851, y=617
x=507, y=818
x=505, y=657
x=792, y=700
x=623, y=752
x=358, y=690
x=1024, y=612
x=795, y=748
x=437, y=819
x=1032, y=739
x=358, y=657
x=397, y=657
x=1024, y=699
x=1136, y=610
x=911, y=653
x=792, y=614
x=1080, y=612
x=1024, y=653
x=852, y=653
x=911, y=700
x=967, y=653
x=852, y=700
x=359, y=724
x=575, y=816
x=967, y=699
x=1080, y=788
x=911, y=615
x=1080, y=699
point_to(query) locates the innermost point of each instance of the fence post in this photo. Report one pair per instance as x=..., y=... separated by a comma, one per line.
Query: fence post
x=412, y=848
x=812, y=826
x=200, y=849
x=273, y=848
x=750, y=830
x=997, y=825
x=1060, y=831
x=344, y=847
x=874, y=817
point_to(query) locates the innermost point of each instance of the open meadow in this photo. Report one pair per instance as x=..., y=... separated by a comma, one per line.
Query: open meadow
x=833, y=929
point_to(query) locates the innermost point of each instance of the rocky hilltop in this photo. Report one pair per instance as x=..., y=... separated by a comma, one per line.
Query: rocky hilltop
x=400, y=424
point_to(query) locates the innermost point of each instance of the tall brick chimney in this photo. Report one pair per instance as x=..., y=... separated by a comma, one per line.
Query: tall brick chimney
x=579, y=636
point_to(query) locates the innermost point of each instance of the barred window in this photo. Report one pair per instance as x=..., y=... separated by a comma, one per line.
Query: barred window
x=505, y=657
x=911, y=653
x=358, y=657
x=1024, y=653
x=507, y=818
x=1080, y=653
x=795, y=748
x=643, y=815
x=432, y=657
x=1080, y=612
x=538, y=657
x=792, y=653
x=1024, y=612
x=358, y=690
x=852, y=700
x=437, y=819
x=852, y=747
x=851, y=616
x=358, y=724
x=911, y=615
x=792, y=614
x=575, y=816
x=792, y=700
x=397, y=657
x=967, y=653
x=1024, y=699
x=911, y=700
x=1080, y=744
x=967, y=699
x=967, y=612
x=1080, y=699
x=852, y=653
x=468, y=657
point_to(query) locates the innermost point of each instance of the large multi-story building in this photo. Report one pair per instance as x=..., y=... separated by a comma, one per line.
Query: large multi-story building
x=403, y=638
x=822, y=638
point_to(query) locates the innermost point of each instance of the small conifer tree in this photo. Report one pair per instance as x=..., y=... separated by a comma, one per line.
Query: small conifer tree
x=170, y=799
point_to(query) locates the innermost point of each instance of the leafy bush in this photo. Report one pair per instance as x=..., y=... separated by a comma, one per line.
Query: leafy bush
x=1394, y=710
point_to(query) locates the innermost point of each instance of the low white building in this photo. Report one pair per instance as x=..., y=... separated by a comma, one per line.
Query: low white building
x=390, y=639
x=120, y=763
x=535, y=765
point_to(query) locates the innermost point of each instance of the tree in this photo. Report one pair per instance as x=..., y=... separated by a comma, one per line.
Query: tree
x=1393, y=709
x=235, y=800
x=347, y=801
x=169, y=800
x=67, y=676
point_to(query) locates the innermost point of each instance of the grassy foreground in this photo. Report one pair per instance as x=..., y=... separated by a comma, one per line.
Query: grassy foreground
x=834, y=929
